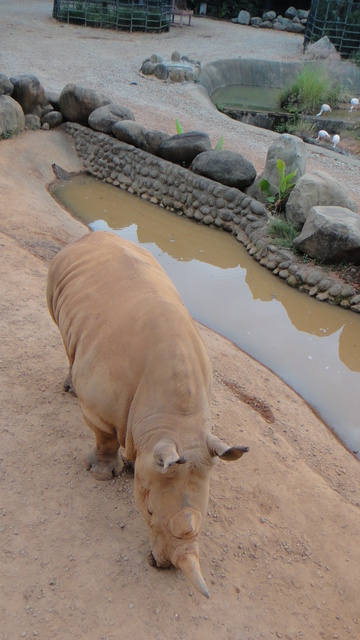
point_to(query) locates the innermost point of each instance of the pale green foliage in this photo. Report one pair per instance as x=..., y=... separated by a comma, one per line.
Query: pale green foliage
x=310, y=89
x=282, y=190
x=283, y=232
x=179, y=128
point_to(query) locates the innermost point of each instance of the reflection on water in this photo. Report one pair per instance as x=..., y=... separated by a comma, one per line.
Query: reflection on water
x=311, y=345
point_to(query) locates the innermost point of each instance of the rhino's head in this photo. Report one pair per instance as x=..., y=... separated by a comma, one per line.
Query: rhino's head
x=171, y=490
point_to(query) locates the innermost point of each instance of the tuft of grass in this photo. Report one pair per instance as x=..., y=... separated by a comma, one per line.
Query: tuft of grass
x=282, y=232
x=309, y=90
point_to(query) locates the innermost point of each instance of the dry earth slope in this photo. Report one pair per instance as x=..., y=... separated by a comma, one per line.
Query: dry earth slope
x=280, y=546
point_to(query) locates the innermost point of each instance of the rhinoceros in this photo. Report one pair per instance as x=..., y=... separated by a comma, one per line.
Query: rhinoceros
x=143, y=379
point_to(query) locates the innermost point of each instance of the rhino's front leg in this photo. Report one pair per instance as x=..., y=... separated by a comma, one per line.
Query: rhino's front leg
x=68, y=385
x=104, y=462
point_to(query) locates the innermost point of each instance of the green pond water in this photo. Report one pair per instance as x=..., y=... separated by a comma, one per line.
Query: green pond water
x=246, y=97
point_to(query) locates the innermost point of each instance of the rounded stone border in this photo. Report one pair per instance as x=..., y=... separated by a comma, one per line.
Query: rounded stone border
x=181, y=191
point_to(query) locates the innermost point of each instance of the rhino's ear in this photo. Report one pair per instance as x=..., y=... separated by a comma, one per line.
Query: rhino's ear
x=166, y=455
x=218, y=448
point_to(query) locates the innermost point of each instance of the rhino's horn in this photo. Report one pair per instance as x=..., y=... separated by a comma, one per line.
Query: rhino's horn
x=190, y=566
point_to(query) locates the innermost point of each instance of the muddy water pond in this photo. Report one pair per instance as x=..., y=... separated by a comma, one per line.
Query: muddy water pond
x=313, y=346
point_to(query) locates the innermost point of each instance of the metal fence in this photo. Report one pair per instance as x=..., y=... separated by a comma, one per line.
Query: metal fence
x=337, y=19
x=143, y=15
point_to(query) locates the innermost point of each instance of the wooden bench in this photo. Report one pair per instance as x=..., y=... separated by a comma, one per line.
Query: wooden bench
x=181, y=13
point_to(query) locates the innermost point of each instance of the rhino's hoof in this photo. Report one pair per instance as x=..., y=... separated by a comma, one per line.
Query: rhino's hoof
x=104, y=470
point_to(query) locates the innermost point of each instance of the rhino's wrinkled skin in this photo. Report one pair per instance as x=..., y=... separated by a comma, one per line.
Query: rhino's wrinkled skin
x=143, y=379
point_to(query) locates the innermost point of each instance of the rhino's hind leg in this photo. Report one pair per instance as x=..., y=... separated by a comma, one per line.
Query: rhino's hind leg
x=105, y=461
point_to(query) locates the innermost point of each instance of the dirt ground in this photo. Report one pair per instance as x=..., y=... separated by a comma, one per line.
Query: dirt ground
x=280, y=545
x=279, y=548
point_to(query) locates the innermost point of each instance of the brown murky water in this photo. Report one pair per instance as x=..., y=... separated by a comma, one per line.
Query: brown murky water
x=313, y=346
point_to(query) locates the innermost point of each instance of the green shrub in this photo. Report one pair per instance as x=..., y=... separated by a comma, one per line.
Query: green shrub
x=282, y=191
x=309, y=90
x=282, y=232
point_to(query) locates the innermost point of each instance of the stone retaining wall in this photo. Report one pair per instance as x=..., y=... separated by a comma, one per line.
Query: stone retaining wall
x=205, y=201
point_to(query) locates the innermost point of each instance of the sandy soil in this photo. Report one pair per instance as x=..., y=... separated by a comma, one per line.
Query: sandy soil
x=280, y=546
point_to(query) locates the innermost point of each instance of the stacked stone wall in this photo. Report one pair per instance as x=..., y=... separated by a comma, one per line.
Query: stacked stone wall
x=207, y=202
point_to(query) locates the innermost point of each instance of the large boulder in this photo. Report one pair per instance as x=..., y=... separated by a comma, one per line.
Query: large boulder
x=331, y=234
x=184, y=147
x=315, y=188
x=53, y=119
x=29, y=93
x=322, y=49
x=292, y=151
x=154, y=139
x=6, y=86
x=244, y=17
x=104, y=118
x=76, y=103
x=12, y=118
x=130, y=132
x=228, y=167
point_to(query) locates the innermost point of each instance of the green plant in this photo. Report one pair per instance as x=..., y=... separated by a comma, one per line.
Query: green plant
x=7, y=134
x=219, y=144
x=309, y=90
x=179, y=128
x=282, y=190
x=283, y=232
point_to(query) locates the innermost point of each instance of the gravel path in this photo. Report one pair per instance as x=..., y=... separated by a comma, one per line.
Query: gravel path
x=32, y=42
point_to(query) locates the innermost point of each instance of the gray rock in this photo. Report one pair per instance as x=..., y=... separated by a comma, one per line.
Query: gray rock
x=315, y=188
x=244, y=17
x=190, y=75
x=280, y=26
x=54, y=97
x=292, y=151
x=32, y=122
x=53, y=119
x=130, y=132
x=266, y=25
x=147, y=68
x=6, y=86
x=227, y=167
x=177, y=74
x=291, y=13
x=12, y=118
x=269, y=16
x=284, y=21
x=46, y=110
x=76, y=102
x=295, y=27
x=161, y=71
x=29, y=93
x=255, y=22
x=302, y=14
x=155, y=58
x=175, y=56
x=104, y=118
x=331, y=234
x=153, y=140
x=321, y=50
x=184, y=147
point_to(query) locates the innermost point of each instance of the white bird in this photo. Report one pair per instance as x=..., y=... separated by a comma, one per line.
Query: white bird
x=336, y=140
x=324, y=108
x=354, y=102
x=323, y=135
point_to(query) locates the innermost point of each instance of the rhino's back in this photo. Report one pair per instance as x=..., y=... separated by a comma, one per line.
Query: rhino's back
x=125, y=327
